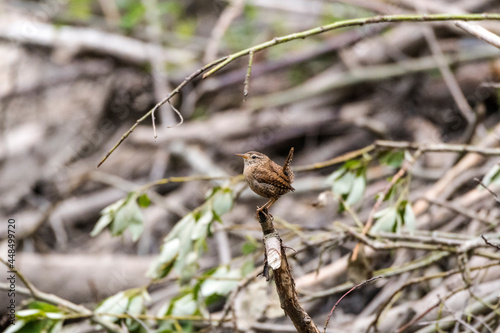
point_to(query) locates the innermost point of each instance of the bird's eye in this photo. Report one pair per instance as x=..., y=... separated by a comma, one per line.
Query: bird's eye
x=254, y=157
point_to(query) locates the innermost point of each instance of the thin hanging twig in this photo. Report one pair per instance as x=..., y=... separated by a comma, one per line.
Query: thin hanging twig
x=165, y=100
x=154, y=124
x=178, y=113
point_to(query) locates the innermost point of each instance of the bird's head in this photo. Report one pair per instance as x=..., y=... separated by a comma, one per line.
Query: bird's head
x=253, y=158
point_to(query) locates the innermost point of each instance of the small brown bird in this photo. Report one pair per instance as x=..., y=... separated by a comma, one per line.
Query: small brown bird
x=267, y=178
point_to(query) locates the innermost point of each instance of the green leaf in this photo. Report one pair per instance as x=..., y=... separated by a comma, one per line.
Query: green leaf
x=352, y=164
x=250, y=246
x=335, y=175
x=184, y=306
x=116, y=304
x=393, y=158
x=343, y=184
x=357, y=191
x=103, y=222
x=409, y=217
x=380, y=213
x=386, y=220
x=211, y=192
x=123, y=214
x=177, y=245
x=17, y=327
x=392, y=192
x=172, y=8
x=222, y=202
x=38, y=317
x=187, y=266
x=136, y=231
x=186, y=242
x=164, y=263
x=107, y=216
x=37, y=326
x=201, y=228
x=133, y=16
x=135, y=307
x=54, y=315
x=129, y=214
x=80, y=9
x=144, y=200
x=492, y=175
x=190, y=235
x=29, y=313
x=185, y=27
x=222, y=285
x=57, y=327
x=399, y=223
x=247, y=267
x=46, y=307
x=180, y=227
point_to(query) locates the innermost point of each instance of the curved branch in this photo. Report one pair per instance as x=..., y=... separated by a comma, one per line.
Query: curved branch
x=165, y=100
x=353, y=23
x=220, y=63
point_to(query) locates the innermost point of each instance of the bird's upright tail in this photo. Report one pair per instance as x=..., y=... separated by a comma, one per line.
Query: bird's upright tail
x=287, y=170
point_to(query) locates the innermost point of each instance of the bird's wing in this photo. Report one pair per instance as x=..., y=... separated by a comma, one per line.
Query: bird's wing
x=273, y=179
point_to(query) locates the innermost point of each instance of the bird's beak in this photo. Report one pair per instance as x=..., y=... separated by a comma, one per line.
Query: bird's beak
x=241, y=155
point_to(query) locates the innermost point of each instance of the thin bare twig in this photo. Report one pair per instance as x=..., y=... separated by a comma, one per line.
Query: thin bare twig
x=497, y=199
x=438, y=147
x=384, y=144
x=460, y=210
x=336, y=160
x=497, y=246
x=159, y=104
x=459, y=320
x=168, y=180
x=480, y=33
x=140, y=321
x=247, y=76
x=347, y=293
x=432, y=307
x=230, y=301
x=418, y=280
x=178, y=113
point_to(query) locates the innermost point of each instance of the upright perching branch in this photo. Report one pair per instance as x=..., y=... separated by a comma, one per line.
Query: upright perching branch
x=285, y=285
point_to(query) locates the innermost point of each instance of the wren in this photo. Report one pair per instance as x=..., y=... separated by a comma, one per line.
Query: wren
x=267, y=178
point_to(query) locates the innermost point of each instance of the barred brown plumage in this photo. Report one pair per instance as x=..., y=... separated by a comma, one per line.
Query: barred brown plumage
x=267, y=178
